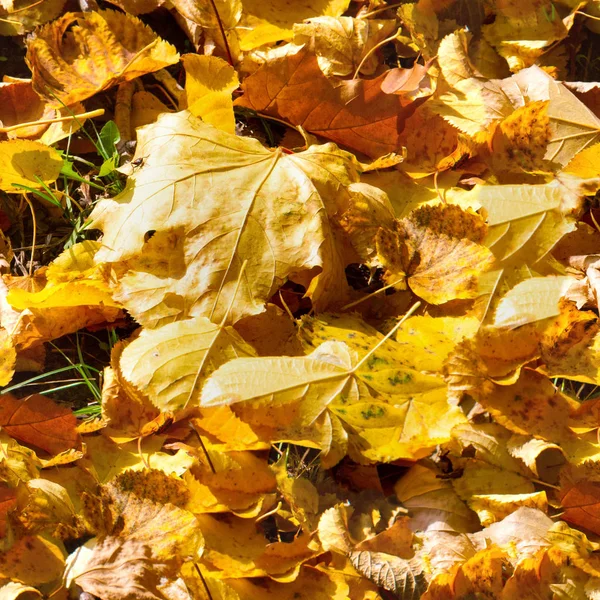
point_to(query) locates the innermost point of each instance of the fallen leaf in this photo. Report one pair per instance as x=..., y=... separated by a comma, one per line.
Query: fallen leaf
x=147, y=538
x=38, y=421
x=33, y=560
x=208, y=267
x=342, y=43
x=170, y=364
x=522, y=304
x=209, y=82
x=27, y=163
x=232, y=482
x=21, y=16
x=354, y=113
x=110, y=47
x=273, y=20
x=434, y=245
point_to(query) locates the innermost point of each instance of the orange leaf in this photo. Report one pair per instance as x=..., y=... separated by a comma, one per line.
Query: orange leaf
x=38, y=421
x=355, y=113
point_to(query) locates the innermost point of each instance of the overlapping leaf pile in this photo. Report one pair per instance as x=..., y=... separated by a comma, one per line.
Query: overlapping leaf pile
x=405, y=284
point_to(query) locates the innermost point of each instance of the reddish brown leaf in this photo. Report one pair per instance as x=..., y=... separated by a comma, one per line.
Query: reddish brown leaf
x=580, y=496
x=38, y=421
x=8, y=497
x=355, y=113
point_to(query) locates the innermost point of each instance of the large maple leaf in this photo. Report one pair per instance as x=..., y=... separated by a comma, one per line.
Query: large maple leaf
x=204, y=202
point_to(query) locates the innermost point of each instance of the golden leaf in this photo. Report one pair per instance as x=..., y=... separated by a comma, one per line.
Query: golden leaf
x=341, y=43
x=437, y=251
x=170, y=364
x=191, y=265
x=109, y=48
x=27, y=163
x=209, y=82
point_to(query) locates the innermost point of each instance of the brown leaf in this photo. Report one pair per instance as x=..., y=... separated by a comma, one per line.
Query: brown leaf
x=398, y=575
x=580, y=496
x=38, y=421
x=355, y=113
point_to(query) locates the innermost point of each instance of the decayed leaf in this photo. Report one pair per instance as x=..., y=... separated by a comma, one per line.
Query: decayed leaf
x=24, y=162
x=38, y=421
x=437, y=251
x=147, y=538
x=104, y=48
x=390, y=572
x=191, y=265
x=531, y=406
x=209, y=82
x=170, y=364
x=355, y=113
x=46, y=507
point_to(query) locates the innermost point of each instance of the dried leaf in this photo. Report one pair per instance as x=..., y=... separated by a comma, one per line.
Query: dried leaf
x=355, y=113
x=207, y=258
x=103, y=49
x=38, y=421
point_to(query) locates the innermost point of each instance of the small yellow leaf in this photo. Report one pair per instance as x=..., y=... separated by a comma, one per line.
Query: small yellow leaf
x=437, y=250
x=532, y=300
x=209, y=83
x=23, y=162
x=273, y=20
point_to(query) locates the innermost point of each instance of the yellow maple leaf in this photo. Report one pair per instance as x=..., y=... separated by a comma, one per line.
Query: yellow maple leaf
x=170, y=364
x=191, y=263
x=387, y=410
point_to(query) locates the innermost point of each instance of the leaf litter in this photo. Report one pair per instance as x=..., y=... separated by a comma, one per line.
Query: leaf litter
x=300, y=301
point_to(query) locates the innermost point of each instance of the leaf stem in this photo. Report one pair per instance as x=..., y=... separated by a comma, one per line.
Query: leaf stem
x=371, y=50
x=222, y=29
x=87, y=115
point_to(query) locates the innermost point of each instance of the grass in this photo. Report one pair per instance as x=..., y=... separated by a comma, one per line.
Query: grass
x=74, y=363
